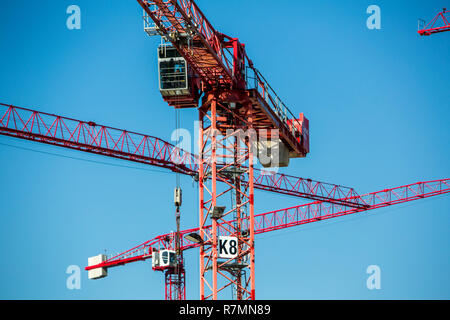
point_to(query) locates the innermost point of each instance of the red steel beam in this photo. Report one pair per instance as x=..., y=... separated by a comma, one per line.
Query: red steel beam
x=93, y=138
x=127, y=145
x=290, y=217
x=433, y=26
x=295, y=186
x=219, y=60
x=183, y=18
x=318, y=211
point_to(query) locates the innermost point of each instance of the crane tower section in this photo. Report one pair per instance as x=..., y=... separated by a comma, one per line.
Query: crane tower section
x=209, y=62
x=240, y=117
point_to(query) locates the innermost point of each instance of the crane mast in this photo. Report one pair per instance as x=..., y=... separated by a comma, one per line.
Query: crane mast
x=313, y=212
x=233, y=117
x=175, y=277
x=241, y=119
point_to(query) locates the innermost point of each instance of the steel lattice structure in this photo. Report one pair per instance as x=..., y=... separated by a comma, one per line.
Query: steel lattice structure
x=18, y=122
x=231, y=105
x=90, y=137
x=290, y=217
x=440, y=23
x=216, y=147
x=238, y=108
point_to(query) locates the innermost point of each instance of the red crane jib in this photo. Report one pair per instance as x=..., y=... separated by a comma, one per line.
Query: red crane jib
x=220, y=69
x=88, y=136
x=221, y=66
x=440, y=23
x=289, y=217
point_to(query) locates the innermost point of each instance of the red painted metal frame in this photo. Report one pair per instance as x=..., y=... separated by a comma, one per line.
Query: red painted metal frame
x=221, y=62
x=183, y=18
x=93, y=138
x=295, y=186
x=127, y=145
x=291, y=217
x=217, y=274
x=318, y=211
x=430, y=28
x=175, y=284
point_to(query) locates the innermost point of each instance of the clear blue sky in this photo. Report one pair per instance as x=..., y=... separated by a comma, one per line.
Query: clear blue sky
x=378, y=103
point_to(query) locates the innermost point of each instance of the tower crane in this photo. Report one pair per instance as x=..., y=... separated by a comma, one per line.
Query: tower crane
x=440, y=23
x=88, y=136
x=238, y=110
x=266, y=222
x=241, y=118
x=330, y=201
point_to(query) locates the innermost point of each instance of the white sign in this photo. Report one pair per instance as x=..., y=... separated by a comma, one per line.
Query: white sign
x=228, y=247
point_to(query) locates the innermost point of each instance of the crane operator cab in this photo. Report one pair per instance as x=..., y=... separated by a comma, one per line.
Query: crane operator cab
x=175, y=78
x=164, y=259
